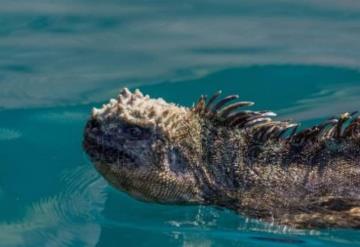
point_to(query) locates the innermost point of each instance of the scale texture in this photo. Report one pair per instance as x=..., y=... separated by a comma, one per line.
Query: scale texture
x=215, y=153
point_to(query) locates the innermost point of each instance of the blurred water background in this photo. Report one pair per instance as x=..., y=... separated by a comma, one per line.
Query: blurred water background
x=60, y=58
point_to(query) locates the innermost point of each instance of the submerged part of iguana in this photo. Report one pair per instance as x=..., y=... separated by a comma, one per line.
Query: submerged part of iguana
x=215, y=154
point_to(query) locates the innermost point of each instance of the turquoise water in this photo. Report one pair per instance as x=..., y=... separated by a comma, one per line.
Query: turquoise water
x=58, y=59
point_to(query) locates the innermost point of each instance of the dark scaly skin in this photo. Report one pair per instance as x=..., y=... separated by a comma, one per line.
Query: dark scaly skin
x=244, y=161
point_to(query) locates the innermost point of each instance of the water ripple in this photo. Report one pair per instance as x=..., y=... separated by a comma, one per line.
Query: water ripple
x=66, y=52
x=61, y=117
x=332, y=99
x=9, y=134
x=67, y=219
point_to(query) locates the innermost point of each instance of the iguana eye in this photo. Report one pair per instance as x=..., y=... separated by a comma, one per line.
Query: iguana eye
x=135, y=132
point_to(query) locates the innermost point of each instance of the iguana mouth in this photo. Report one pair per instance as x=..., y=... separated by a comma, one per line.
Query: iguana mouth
x=100, y=149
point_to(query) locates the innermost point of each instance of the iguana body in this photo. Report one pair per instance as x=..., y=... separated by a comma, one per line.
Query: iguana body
x=215, y=154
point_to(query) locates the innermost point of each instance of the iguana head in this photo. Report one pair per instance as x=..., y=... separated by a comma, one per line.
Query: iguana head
x=133, y=143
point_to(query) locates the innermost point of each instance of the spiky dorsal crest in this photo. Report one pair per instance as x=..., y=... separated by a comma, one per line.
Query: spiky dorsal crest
x=261, y=126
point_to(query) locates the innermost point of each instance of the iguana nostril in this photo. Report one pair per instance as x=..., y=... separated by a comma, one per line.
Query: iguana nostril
x=94, y=123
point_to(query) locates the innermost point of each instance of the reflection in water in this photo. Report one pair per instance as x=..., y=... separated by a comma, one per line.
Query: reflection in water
x=67, y=219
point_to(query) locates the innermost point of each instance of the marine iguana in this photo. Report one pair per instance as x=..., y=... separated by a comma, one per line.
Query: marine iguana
x=216, y=154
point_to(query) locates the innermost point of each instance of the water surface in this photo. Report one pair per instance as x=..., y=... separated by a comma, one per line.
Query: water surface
x=58, y=59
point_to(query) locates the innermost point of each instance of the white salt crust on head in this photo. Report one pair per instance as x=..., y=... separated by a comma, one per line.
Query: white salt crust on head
x=137, y=109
